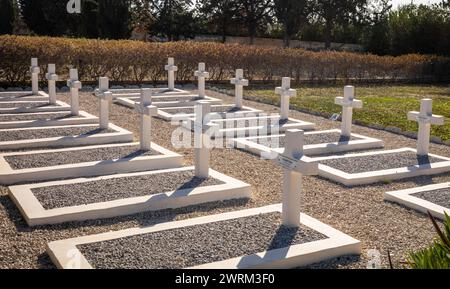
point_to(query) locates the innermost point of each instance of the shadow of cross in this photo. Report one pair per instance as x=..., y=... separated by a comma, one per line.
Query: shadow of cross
x=146, y=110
x=425, y=118
x=295, y=165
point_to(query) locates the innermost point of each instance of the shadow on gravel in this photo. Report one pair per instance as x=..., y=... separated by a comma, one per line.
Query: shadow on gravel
x=335, y=263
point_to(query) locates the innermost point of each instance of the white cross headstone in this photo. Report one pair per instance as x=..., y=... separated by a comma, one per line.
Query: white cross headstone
x=295, y=165
x=202, y=138
x=239, y=83
x=285, y=93
x=201, y=74
x=425, y=118
x=75, y=85
x=171, y=69
x=51, y=77
x=105, y=97
x=35, y=70
x=348, y=102
x=146, y=110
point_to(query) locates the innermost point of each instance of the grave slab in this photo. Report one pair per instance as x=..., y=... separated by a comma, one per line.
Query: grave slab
x=122, y=194
x=62, y=136
x=186, y=112
x=433, y=198
x=41, y=119
x=168, y=101
x=87, y=161
x=317, y=143
x=18, y=96
x=267, y=249
x=132, y=93
x=8, y=107
x=372, y=167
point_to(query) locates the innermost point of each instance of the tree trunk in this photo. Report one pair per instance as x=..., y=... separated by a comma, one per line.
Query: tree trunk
x=328, y=28
x=224, y=31
x=252, y=33
x=287, y=40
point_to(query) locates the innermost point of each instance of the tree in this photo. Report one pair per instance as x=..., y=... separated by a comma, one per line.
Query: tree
x=220, y=13
x=114, y=19
x=255, y=13
x=333, y=12
x=377, y=33
x=7, y=16
x=291, y=14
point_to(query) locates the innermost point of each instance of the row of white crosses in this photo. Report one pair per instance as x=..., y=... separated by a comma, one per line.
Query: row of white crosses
x=348, y=103
x=425, y=118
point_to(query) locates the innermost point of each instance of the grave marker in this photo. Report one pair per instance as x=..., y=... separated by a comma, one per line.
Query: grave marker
x=146, y=110
x=105, y=97
x=52, y=77
x=171, y=68
x=425, y=118
x=201, y=74
x=35, y=70
x=239, y=82
x=202, y=138
x=75, y=85
x=295, y=165
x=348, y=102
x=285, y=93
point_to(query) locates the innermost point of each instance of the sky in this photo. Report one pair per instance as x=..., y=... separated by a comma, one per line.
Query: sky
x=401, y=2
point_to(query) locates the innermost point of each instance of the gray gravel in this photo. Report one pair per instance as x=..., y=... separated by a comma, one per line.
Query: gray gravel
x=118, y=188
x=380, y=162
x=44, y=116
x=310, y=139
x=190, y=110
x=28, y=161
x=439, y=197
x=13, y=135
x=196, y=245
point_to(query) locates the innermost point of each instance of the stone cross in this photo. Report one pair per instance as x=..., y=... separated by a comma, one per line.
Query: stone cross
x=348, y=102
x=75, y=85
x=105, y=97
x=201, y=74
x=35, y=70
x=146, y=110
x=295, y=165
x=202, y=138
x=51, y=77
x=239, y=83
x=171, y=69
x=425, y=118
x=286, y=93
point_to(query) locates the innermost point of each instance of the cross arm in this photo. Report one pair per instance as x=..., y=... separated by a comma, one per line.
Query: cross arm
x=355, y=103
x=202, y=74
x=150, y=110
x=286, y=92
x=239, y=81
x=304, y=165
x=171, y=67
x=35, y=69
x=51, y=76
x=433, y=119
x=104, y=95
x=74, y=84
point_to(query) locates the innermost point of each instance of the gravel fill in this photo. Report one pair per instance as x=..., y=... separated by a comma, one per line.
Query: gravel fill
x=197, y=245
x=46, y=116
x=439, y=197
x=310, y=139
x=25, y=105
x=355, y=165
x=14, y=135
x=28, y=161
x=190, y=110
x=118, y=188
x=253, y=122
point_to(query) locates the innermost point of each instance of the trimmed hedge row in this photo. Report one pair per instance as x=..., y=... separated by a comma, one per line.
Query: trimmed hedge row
x=135, y=61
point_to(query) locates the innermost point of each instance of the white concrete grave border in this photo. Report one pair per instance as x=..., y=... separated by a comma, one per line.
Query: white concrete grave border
x=44, y=106
x=250, y=144
x=383, y=175
x=119, y=135
x=158, y=102
x=406, y=198
x=164, y=160
x=82, y=118
x=35, y=214
x=336, y=244
x=168, y=115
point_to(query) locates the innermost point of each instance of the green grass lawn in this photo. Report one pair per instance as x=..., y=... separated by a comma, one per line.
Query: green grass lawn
x=385, y=105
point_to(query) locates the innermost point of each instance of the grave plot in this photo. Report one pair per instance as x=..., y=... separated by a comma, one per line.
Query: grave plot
x=318, y=142
x=69, y=135
x=372, y=167
x=34, y=95
x=91, y=160
x=124, y=194
x=232, y=126
x=276, y=236
x=42, y=119
x=217, y=111
x=433, y=198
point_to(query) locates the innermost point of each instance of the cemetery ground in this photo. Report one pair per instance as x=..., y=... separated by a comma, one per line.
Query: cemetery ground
x=384, y=105
x=360, y=212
